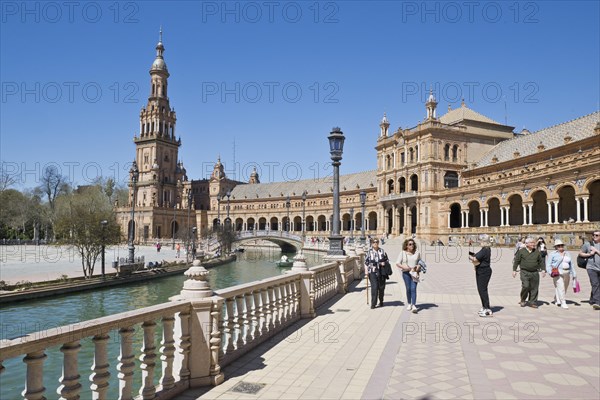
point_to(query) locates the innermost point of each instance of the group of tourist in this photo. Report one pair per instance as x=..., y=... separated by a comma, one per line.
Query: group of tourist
x=531, y=259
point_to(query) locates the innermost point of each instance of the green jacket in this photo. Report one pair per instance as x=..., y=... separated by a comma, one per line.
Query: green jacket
x=531, y=262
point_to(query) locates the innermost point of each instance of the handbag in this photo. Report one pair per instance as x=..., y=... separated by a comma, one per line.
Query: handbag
x=554, y=272
x=576, y=287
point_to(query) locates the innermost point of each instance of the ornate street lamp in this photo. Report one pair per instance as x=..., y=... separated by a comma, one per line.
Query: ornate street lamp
x=135, y=174
x=194, y=229
x=336, y=149
x=228, y=220
x=103, y=223
x=187, y=233
x=351, y=225
x=303, y=216
x=287, y=205
x=363, y=200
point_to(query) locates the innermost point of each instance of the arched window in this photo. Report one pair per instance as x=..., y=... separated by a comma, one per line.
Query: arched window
x=414, y=183
x=411, y=155
x=455, y=153
x=447, y=152
x=402, y=184
x=390, y=186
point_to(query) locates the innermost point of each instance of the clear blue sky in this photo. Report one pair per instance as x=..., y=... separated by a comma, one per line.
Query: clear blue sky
x=351, y=60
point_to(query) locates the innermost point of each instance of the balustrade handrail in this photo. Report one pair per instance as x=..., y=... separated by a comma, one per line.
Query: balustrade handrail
x=323, y=267
x=41, y=340
x=255, y=285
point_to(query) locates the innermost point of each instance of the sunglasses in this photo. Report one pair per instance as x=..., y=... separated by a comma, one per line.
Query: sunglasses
x=411, y=244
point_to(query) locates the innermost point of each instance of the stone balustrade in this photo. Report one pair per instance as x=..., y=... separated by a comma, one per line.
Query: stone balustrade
x=199, y=332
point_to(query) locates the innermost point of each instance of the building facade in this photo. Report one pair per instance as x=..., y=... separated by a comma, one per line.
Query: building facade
x=449, y=178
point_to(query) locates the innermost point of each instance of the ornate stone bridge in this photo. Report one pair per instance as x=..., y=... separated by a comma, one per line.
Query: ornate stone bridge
x=286, y=240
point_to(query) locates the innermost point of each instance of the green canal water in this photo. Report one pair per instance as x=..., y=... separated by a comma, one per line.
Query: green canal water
x=39, y=315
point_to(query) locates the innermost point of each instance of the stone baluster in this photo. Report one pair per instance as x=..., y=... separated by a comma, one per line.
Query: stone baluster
x=248, y=327
x=280, y=290
x=256, y=314
x=215, y=344
x=183, y=344
x=126, y=364
x=289, y=289
x=70, y=386
x=101, y=374
x=228, y=325
x=311, y=295
x=148, y=361
x=167, y=352
x=34, y=383
x=265, y=300
x=273, y=307
x=296, y=298
x=239, y=321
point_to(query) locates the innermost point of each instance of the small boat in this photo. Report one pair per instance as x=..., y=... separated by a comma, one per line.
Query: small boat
x=284, y=262
x=240, y=249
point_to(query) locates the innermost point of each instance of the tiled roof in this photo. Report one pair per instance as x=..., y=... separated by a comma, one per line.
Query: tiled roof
x=362, y=180
x=551, y=137
x=462, y=113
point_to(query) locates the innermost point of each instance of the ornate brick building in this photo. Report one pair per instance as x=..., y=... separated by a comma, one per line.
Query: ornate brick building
x=451, y=177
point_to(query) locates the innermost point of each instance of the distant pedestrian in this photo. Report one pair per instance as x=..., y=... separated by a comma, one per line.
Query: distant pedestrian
x=483, y=274
x=375, y=261
x=591, y=250
x=158, y=246
x=561, y=270
x=542, y=248
x=408, y=261
x=178, y=250
x=529, y=260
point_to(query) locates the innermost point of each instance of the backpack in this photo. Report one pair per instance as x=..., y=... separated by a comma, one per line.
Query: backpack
x=582, y=261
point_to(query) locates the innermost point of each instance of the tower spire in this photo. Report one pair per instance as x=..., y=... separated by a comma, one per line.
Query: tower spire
x=431, y=105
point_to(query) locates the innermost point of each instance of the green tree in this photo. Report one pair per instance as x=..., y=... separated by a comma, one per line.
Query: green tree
x=78, y=223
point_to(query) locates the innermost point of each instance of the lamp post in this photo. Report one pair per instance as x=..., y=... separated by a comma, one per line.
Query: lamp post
x=287, y=205
x=194, y=243
x=303, y=216
x=228, y=220
x=187, y=233
x=363, y=200
x=351, y=225
x=336, y=148
x=173, y=223
x=103, y=223
x=135, y=174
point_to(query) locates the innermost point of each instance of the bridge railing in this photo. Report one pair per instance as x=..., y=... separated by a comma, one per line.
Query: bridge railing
x=197, y=337
x=275, y=234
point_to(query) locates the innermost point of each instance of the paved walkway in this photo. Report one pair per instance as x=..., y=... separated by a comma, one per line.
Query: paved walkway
x=444, y=351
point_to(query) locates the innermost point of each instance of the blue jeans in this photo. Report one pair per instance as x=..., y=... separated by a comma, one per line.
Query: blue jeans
x=411, y=288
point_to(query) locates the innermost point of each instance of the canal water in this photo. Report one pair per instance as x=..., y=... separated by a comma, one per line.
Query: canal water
x=25, y=318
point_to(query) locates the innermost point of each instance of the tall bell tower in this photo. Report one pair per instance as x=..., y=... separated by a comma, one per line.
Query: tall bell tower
x=157, y=147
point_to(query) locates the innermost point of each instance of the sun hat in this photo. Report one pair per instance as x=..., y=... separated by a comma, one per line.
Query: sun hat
x=558, y=242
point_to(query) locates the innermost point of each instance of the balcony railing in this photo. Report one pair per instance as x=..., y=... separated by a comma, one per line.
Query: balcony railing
x=197, y=336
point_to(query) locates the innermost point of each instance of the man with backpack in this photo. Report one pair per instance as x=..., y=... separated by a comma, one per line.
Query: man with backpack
x=591, y=251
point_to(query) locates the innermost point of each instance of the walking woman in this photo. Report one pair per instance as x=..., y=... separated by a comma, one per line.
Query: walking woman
x=542, y=248
x=561, y=270
x=408, y=261
x=483, y=273
x=375, y=261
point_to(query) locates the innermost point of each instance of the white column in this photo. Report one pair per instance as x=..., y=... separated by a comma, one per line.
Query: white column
x=481, y=217
x=462, y=219
x=585, y=209
x=530, y=214
x=578, y=202
x=549, y=213
x=449, y=214
x=556, y=211
x=524, y=214
x=467, y=218
x=507, y=216
x=501, y=216
x=487, y=217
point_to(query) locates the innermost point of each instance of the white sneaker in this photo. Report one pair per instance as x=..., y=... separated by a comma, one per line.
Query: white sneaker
x=564, y=305
x=409, y=307
x=489, y=312
x=414, y=309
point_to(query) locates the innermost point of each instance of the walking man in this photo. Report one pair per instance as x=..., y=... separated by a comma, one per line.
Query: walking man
x=591, y=250
x=530, y=262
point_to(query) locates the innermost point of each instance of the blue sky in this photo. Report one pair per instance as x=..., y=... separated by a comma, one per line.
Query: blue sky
x=277, y=76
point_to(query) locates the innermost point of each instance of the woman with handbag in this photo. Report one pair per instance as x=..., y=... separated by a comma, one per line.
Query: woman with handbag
x=483, y=273
x=377, y=268
x=408, y=261
x=561, y=270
